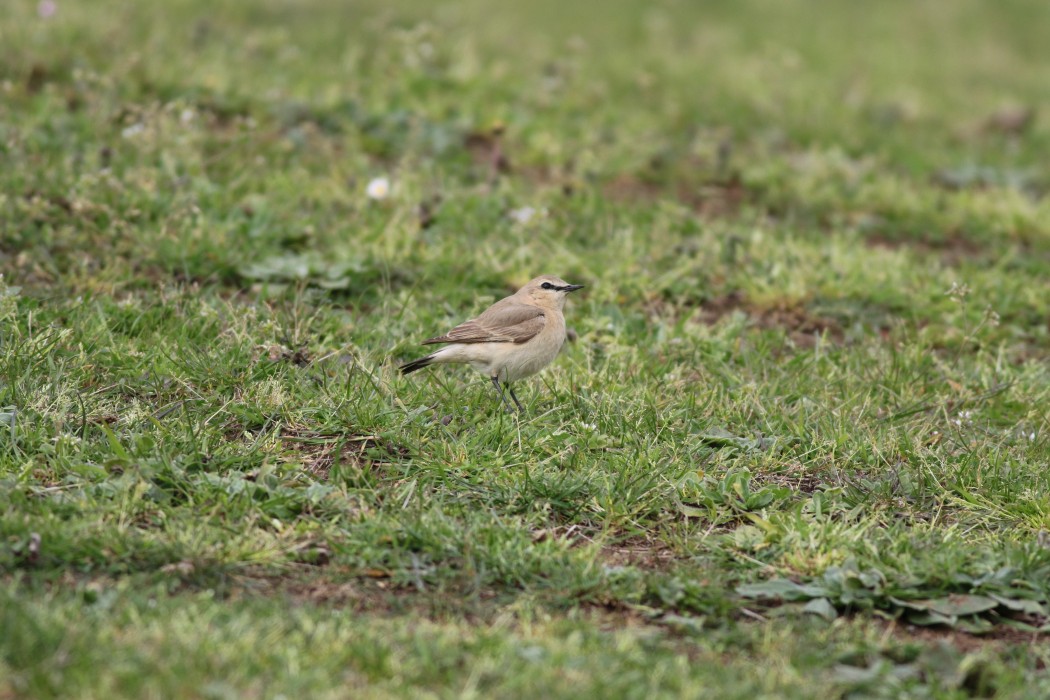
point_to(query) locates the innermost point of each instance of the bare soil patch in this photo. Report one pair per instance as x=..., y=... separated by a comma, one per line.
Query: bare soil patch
x=790, y=316
x=487, y=150
x=337, y=586
x=641, y=553
x=300, y=356
x=709, y=199
x=320, y=451
x=797, y=478
x=965, y=642
x=346, y=589
x=952, y=250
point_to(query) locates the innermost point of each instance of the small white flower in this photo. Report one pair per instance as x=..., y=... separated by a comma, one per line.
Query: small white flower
x=187, y=116
x=958, y=291
x=378, y=188
x=589, y=426
x=1031, y=437
x=130, y=132
x=523, y=215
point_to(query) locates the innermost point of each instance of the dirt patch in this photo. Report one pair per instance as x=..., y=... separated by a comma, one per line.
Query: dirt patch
x=1010, y=120
x=345, y=588
x=639, y=552
x=636, y=551
x=487, y=151
x=965, y=642
x=952, y=250
x=337, y=586
x=715, y=199
x=797, y=478
x=627, y=188
x=792, y=317
x=318, y=451
x=300, y=356
x=56, y=201
x=956, y=248
x=710, y=199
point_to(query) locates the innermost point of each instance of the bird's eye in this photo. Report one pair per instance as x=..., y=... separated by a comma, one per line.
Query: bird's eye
x=547, y=285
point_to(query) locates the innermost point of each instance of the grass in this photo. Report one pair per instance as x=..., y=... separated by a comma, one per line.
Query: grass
x=799, y=447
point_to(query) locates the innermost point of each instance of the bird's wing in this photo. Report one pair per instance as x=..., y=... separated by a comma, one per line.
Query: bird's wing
x=501, y=323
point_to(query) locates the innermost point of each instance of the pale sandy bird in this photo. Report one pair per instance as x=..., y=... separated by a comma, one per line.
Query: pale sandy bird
x=514, y=338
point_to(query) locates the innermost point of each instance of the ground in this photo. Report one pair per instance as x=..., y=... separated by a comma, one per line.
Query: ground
x=798, y=447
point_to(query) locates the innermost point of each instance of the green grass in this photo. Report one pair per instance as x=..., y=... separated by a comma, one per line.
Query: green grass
x=799, y=448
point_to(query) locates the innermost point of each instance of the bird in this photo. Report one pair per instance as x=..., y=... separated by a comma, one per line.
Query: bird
x=514, y=338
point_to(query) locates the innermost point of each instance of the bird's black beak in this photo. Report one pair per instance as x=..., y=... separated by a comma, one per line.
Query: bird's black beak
x=572, y=287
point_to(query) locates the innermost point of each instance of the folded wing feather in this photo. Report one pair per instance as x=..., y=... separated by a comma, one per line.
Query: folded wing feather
x=502, y=323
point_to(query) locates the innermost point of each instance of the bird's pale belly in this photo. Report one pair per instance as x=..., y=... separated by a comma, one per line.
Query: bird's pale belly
x=511, y=361
x=525, y=363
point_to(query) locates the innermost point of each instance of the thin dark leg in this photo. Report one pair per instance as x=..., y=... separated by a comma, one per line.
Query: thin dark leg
x=516, y=402
x=495, y=383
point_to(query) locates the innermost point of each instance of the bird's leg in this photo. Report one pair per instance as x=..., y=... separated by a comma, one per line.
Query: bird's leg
x=499, y=388
x=516, y=402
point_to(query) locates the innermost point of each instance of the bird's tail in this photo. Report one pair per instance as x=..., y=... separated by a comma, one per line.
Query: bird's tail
x=417, y=364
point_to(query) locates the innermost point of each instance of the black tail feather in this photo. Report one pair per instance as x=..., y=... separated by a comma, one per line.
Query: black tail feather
x=416, y=364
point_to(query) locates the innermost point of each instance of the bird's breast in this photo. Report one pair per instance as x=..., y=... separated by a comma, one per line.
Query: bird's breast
x=524, y=360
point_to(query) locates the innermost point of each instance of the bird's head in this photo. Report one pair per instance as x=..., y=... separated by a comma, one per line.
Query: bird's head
x=548, y=291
